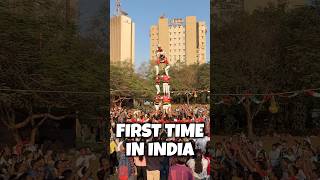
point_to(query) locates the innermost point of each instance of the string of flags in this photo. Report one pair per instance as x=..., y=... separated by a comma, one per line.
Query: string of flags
x=227, y=98
x=253, y=96
x=273, y=107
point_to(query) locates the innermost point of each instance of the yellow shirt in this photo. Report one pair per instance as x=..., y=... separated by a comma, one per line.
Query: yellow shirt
x=113, y=147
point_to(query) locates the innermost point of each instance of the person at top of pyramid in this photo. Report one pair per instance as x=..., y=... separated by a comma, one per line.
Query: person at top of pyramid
x=161, y=56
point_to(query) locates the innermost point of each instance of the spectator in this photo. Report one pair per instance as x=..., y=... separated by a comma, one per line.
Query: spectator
x=274, y=155
x=103, y=171
x=113, y=156
x=199, y=166
x=123, y=172
x=141, y=164
x=180, y=171
x=153, y=167
x=84, y=158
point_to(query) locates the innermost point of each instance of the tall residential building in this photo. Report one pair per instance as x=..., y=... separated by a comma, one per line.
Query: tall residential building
x=122, y=40
x=184, y=41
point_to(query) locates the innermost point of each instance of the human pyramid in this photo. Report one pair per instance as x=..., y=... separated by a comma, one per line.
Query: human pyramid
x=164, y=100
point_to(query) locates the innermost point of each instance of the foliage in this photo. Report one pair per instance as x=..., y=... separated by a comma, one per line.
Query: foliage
x=39, y=51
x=274, y=49
x=125, y=82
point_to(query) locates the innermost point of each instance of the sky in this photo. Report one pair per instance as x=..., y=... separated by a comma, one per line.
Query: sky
x=145, y=13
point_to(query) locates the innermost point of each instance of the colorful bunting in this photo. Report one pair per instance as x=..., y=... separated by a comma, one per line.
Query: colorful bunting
x=273, y=108
x=313, y=93
x=266, y=97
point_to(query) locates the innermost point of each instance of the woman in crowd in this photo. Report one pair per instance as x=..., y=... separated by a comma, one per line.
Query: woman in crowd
x=123, y=171
x=180, y=171
x=199, y=166
x=141, y=164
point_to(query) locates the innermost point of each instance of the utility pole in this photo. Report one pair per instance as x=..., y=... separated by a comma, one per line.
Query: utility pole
x=118, y=7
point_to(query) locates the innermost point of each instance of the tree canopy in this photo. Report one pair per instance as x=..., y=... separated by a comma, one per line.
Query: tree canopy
x=42, y=55
x=273, y=49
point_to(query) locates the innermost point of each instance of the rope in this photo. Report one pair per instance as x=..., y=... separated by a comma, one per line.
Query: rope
x=53, y=91
x=186, y=91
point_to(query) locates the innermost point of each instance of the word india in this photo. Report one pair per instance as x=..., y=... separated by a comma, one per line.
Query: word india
x=191, y=130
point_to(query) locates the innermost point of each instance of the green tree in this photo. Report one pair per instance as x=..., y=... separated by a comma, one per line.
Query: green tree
x=126, y=83
x=271, y=50
x=40, y=51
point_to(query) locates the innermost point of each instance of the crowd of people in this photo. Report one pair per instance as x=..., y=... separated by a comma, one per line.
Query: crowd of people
x=160, y=167
x=239, y=157
x=179, y=114
x=155, y=167
x=27, y=161
x=235, y=157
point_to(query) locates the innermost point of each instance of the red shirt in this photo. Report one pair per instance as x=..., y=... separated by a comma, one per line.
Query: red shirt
x=158, y=80
x=199, y=120
x=180, y=121
x=166, y=99
x=292, y=178
x=208, y=168
x=166, y=79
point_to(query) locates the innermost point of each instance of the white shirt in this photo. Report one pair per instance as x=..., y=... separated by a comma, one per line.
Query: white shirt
x=274, y=157
x=3, y=161
x=119, y=145
x=191, y=164
x=301, y=175
x=160, y=53
x=201, y=143
x=85, y=160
